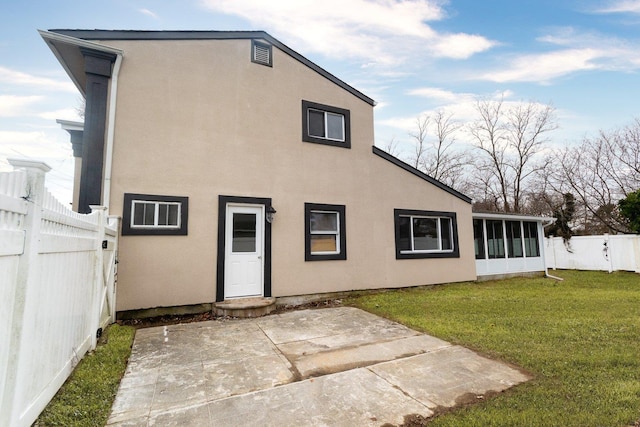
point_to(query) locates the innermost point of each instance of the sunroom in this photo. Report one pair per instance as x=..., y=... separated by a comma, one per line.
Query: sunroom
x=508, y=244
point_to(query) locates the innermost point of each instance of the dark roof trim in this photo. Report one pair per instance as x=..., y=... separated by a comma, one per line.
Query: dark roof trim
x=388, y=157
x=210, y=35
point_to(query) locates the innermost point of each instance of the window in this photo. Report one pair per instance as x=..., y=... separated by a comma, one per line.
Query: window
x=514, y=239
x=261, y=53
x=478, y=238
x=323, y=124
x=145, y=214
x=531, y=247
x=425, y=234
x=325, y=237
x=495, y=239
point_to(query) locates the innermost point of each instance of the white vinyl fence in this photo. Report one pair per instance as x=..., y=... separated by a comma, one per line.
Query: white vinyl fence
x=606, y=252
x=57, y=288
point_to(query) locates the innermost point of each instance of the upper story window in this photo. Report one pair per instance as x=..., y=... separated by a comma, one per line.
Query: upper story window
x=152, y=214
x=261, y=53
x=426, y=234
x=323, y=124
x=325, y=237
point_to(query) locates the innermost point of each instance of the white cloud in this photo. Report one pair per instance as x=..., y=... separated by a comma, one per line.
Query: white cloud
x=381, y=32
x=13, y=77
x=461, y=106
x=577, y=51
x=621, y=6
x=63, y=114
x=546, y=66
x=461, y=46
x=14, y=106
x=35, y=145
x=148, y=13
x=52, y=148
x=438, y=94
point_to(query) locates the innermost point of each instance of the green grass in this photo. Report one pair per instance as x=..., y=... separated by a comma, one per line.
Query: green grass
x=86, y=397
x=579, y=338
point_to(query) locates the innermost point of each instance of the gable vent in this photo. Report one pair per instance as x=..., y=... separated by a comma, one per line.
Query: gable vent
x=261, y=53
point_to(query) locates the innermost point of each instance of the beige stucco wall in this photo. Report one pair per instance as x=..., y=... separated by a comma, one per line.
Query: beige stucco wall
x=199, y=119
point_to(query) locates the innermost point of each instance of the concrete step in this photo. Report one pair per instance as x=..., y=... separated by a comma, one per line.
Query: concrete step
x=245, y=307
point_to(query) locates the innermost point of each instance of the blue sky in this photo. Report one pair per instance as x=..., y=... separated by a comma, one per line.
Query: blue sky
x=412, y=57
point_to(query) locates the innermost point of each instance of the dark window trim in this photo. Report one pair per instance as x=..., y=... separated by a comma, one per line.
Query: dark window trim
x=306, y=105
x=127, y=230
x=308, y=256
x=222, y=217
x=255, y=43
x=397, y=213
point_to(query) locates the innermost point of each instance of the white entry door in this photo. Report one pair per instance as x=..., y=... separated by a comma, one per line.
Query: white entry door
x=244, y=251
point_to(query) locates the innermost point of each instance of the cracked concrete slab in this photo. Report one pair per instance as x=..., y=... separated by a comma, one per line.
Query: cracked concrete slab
x=332, y=366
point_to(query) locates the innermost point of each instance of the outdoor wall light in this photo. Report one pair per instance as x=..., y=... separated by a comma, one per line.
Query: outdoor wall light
x=270, y=214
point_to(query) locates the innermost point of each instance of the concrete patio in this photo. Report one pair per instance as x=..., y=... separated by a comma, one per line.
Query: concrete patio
x=322, y=367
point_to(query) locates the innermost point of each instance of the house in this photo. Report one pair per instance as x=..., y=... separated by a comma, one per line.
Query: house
x=241, y=169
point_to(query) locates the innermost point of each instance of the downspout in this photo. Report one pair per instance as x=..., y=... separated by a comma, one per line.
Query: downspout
x=106, y=192
x=546, y=270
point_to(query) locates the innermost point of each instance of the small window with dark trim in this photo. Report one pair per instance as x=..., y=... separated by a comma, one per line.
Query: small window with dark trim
x=323, y=124
x=325, y=234
x=426, y=234
x=146, y=214
x=261, y=53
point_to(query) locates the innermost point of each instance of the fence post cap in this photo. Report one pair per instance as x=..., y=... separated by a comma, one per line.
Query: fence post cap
x=29, y=164
x=97, y=208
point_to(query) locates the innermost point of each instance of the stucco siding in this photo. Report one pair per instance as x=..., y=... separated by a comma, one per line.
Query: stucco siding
x=199, y=119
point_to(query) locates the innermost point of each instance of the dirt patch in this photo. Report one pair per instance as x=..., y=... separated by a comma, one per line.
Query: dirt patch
x=309, y=305
x=411, y=420
x=174, y=319
x=168, y=319
x=417, y=420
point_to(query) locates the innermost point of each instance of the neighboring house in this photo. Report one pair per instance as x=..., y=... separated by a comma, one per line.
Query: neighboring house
x=242, y=169
x=508, y=244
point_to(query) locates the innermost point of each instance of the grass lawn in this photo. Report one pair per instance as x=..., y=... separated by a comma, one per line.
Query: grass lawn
x=86, y=397
x=580, y=339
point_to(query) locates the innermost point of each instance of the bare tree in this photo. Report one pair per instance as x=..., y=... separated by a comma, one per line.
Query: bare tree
x=445, y=162
x=601, y=171
x=435, y=151
x=510, y=139
x=392, y=148
x=420, y=140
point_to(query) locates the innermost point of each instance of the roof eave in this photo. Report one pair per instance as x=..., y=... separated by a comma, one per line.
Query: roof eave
x=67, y=50
x=511, y=216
